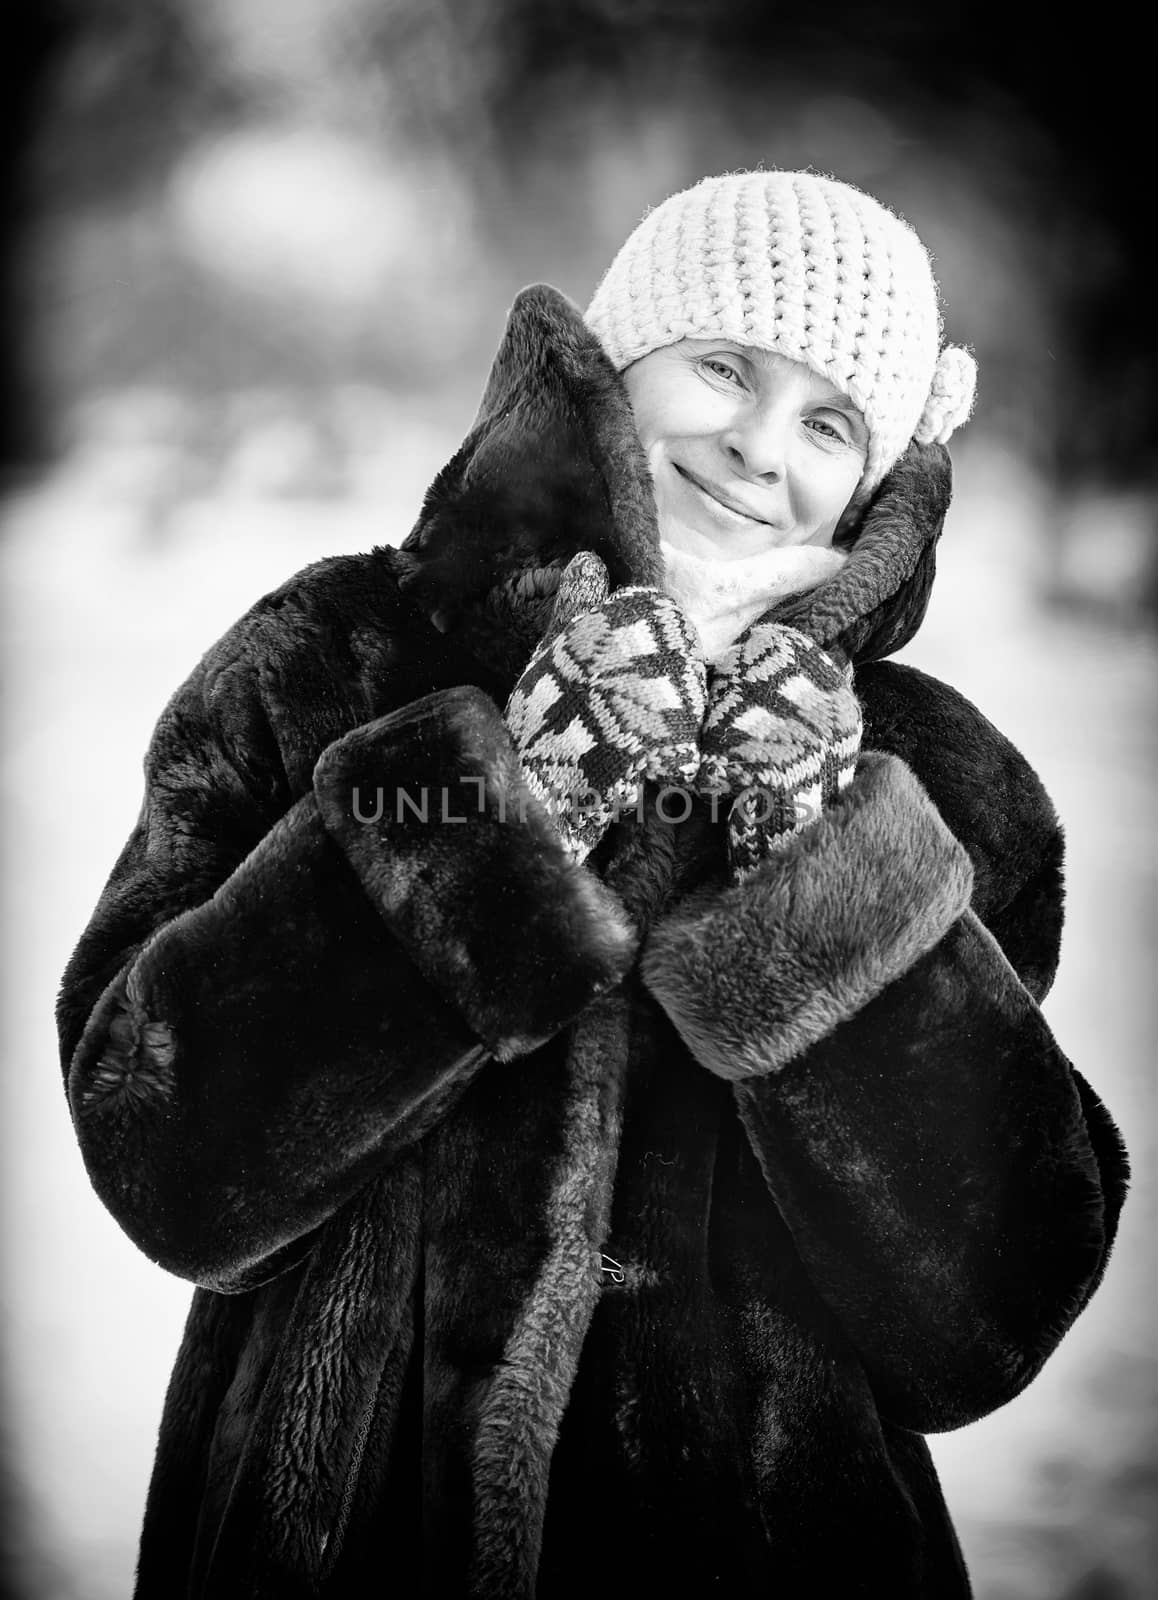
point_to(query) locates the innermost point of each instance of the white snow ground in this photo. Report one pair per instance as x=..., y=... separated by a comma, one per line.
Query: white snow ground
x=1054, y=1496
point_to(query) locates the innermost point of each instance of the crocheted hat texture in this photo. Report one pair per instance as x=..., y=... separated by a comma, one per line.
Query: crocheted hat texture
x=805, y=266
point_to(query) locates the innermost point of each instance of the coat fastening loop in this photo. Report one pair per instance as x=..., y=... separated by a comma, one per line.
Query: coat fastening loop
x=612, y=1268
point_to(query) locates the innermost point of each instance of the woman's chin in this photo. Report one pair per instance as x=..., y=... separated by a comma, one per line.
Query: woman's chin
x=718, y=544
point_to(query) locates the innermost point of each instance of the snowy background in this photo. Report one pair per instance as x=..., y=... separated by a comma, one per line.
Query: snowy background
x=252, y=339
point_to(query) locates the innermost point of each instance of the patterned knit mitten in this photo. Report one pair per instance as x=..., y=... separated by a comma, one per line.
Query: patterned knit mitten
x=614, y=693
x=782, y=734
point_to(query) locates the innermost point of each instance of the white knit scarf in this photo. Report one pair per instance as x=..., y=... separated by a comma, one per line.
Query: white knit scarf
x=721, y=598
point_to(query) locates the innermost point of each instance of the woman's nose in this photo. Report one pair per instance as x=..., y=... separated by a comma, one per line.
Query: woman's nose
x=756, y=445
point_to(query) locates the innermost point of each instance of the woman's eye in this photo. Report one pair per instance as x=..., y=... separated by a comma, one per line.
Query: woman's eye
x=830, y=430
x=721, y=369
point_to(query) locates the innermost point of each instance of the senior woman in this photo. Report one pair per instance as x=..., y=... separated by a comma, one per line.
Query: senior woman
x=572, y=1007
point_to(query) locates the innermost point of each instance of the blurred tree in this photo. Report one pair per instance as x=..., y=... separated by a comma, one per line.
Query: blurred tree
x=30, y=34
x=95, y=95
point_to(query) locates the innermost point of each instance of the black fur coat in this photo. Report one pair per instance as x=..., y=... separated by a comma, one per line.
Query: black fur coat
x=574, y=1230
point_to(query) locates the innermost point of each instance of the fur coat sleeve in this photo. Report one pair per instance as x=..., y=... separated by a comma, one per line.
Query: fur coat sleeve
x=951, y=1183
x=290, y=975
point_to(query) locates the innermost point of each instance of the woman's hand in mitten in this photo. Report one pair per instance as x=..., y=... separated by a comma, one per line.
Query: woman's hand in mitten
x=614, y=693
x=782, y=734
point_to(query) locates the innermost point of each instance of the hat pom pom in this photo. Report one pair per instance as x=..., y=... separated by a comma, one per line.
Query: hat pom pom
x=950, y=398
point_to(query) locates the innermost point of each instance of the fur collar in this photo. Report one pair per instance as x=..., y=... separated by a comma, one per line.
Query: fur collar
x=553, y=465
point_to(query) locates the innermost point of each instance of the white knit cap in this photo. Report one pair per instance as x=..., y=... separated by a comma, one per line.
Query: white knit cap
x=805, y=266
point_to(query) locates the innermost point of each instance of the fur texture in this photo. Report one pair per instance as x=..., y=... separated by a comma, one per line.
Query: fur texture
x=874, y=605
x=551, y=938
x=816, y=932
x=500, y=1293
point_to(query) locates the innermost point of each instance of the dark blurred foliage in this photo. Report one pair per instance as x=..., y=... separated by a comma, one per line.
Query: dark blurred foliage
x=125, y=56
x=1041, y=116
x=30, y=36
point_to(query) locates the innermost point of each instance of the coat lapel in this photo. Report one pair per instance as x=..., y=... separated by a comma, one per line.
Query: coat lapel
x=523, y=1407
x=551, y=466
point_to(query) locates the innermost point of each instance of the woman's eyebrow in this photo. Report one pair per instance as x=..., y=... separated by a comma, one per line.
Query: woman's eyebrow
x=847, y=408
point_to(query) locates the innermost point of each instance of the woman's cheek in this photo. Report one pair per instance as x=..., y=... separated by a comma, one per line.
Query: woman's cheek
x=844, y=470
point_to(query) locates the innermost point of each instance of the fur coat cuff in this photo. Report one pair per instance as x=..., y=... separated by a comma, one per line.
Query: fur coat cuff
x=430, y=808
x=754, y=975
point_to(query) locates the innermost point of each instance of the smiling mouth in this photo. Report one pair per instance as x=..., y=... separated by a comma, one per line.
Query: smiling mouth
x=718, y=498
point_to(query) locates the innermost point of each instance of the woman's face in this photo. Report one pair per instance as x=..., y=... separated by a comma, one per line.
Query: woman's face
x=749, y=451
